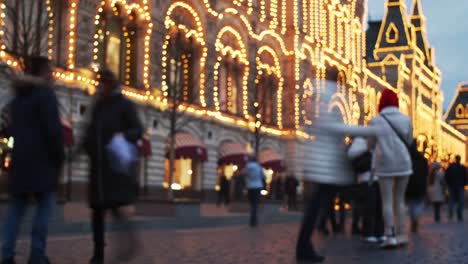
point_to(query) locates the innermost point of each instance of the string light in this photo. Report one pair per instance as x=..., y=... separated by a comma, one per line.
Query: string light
x=331, y=36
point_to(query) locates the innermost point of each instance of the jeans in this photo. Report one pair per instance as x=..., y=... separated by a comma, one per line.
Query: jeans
x=254, y=199
x=373, y=224
x=16, y=209
x=312, y=210
x=457, y=195
x=393, y=204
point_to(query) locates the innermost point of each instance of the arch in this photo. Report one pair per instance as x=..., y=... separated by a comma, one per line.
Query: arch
x=460, y=111
x=338, y=101
x=268, y=64
x=270, y=144
x=228, y=136
x=306, y=102
x=233, y=54
x=130, y=15
x=308, y=53
x=194, y=130
x=183, y=24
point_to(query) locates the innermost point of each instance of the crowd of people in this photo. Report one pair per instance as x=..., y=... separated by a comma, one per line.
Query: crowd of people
x=380, y=167
x=386, y=174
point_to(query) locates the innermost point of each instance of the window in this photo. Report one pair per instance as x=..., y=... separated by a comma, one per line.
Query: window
x=181, y=68
x=185, y=174
x=230, y=86
x=26, y=25
x=117, y=44
x=267, y=98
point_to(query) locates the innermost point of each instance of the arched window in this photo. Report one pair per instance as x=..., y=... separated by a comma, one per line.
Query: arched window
x=269, y=83
x=307, y=103
x=117, y=43
x=113, y=42
x=230, y=86
x=183, y=56
x=181, y=67
x=267, y=98
x=231, y=73
x=27, y=28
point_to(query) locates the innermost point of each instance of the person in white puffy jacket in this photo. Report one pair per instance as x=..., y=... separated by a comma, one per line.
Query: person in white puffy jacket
x=326, y=167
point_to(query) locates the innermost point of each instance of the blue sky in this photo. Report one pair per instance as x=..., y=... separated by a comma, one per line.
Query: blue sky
x=447, y=32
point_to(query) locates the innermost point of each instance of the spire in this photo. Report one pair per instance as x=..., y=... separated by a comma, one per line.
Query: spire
x=394, y=32
x=417, y=8
x=417, y=16
x=418, y=22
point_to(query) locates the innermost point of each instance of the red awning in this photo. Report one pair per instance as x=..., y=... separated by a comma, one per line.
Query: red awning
x=144, y=147
x=271, y=159
x=233, y=153
x=68, y=137
x=188, y=146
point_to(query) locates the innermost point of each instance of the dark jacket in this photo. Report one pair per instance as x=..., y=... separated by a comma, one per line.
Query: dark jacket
x=38, y=151
x=417, y=185
x=455, y=176
x=290, y=185
x=112, y=115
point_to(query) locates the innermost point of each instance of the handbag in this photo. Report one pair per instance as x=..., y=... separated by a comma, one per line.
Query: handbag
x=122, y=155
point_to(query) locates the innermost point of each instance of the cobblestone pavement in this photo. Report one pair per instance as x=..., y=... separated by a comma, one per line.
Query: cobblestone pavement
x=437, y=243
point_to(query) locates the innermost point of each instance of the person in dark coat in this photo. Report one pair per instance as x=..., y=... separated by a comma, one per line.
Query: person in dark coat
x=112, y=116
x=224, y=190
x=37, y=158
x=455, y=177
x=417, y=189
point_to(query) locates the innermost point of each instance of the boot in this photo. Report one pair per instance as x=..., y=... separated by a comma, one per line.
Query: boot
x=98, y=256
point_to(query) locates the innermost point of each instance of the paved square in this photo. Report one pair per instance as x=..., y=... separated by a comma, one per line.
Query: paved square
x=437, y=243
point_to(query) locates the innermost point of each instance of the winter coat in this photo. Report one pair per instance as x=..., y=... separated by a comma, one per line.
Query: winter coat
x=254, y=175
x=326, y=155
x=417, y=184
x=357, y=149
x=38, y=151
x=390, y=156
x=110, y=116
x=455, y=176
x=436, y=190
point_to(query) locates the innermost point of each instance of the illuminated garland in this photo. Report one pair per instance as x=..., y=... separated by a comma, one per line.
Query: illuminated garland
x=228, y=51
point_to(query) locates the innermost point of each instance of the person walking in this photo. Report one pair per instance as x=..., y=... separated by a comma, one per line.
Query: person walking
x=37, y=158
x=224, y=190
x=455, y=176
x=392, y=165
x=111, y=186
x=436, y=189
x=290, y=188
x=255, y=183
x=417, y=189
x=368, y=191
x=327, y=168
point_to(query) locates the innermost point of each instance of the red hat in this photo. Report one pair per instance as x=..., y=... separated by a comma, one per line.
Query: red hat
x=388, y=98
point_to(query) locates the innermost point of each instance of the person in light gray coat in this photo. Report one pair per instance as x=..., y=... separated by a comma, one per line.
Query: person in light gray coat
x=392, y=165
x=436, y=189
